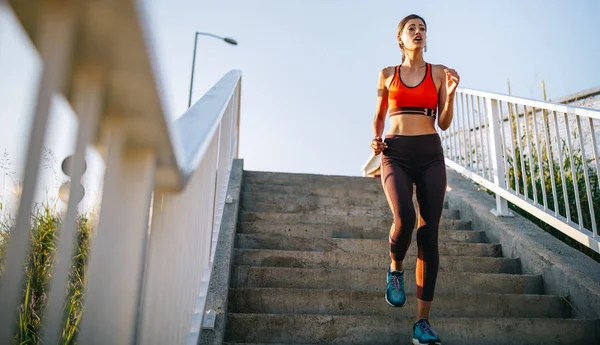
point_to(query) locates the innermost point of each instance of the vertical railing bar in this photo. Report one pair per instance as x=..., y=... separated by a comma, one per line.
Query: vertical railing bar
x=493, y=112
x=233, y=125
x=481, y=122
x=548, y=140
x=457, y=134
x=466, y=132
x=573, y=172
x=119, y=249
x=56, y=38
x=596, y=157
x=503, y=146
x=237, y=121
x=513, y=148
x=562, y=168
x=523, y=170
x=539, y=155
x=459, y=130
x=588, y=186
x=216, y=182
x=530, y=153
x=478, y=160
x=465, y=126
x=453, y=127
x=87, y=104
x=472, y=149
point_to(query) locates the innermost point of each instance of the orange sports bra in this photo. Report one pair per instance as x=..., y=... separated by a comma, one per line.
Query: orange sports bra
x=421, y=99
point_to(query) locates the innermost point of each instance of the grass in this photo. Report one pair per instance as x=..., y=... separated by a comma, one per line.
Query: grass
x=45, y=222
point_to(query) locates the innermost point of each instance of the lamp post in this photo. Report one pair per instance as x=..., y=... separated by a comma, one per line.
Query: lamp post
x=226, y=39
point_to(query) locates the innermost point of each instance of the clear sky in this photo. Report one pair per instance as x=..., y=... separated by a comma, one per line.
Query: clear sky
x=310, y=67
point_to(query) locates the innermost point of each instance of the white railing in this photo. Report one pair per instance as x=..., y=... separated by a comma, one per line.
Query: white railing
x=540, y=156
x=164, y=183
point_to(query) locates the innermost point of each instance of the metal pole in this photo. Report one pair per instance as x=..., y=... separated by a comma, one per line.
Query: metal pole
x=193, y=66
x=493, y=113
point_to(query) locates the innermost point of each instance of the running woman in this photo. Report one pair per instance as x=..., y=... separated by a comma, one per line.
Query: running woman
x=415, y=94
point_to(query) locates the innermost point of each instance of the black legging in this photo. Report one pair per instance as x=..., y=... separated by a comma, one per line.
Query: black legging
x=415, y=159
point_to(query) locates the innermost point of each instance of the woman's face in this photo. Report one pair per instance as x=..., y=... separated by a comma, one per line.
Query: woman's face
x=414, y=35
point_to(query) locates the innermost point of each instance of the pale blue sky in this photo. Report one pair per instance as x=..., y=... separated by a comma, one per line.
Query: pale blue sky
x=310, y=66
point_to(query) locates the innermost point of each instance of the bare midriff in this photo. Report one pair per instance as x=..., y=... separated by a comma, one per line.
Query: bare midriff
x=411, y=125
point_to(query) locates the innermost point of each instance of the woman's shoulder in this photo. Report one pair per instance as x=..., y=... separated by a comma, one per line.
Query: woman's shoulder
x=437, y=70
x=387, y=71
x=438, y=67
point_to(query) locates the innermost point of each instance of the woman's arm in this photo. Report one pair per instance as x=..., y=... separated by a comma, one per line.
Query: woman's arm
x=449, y=80
x=382, y=103
x=377, y=143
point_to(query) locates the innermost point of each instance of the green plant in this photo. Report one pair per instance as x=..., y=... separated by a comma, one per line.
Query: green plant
x=74, y=305
x=44, y=226
x=45, y=222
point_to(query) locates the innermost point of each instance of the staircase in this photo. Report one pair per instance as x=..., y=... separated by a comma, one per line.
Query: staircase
x=310, y=267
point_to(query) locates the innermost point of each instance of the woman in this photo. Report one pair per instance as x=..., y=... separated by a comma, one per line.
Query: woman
x=414, y=94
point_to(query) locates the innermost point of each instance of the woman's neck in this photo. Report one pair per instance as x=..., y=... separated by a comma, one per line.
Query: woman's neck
x=413, y=58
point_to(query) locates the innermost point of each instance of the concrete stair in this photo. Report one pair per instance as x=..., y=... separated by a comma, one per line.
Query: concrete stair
x=309, y=267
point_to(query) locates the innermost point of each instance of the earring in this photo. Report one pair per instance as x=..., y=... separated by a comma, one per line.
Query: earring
x=425, y=48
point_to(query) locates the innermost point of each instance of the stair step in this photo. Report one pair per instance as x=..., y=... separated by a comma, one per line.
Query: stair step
x=342, y=231
x=352, y=221
x=341, y=260
x=372, y=194
x=284, y=242
x=357, y=329
x=339, y=185
x=374, y=280
x=267, y=177
x=366, y=211
x=352, y=302
x=320, y=200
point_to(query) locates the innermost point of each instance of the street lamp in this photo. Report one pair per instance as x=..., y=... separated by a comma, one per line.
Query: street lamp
x=226, y=39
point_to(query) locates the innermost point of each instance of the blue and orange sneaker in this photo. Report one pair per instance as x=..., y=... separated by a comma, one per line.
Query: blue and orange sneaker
x=394, y=293
x=423, y=334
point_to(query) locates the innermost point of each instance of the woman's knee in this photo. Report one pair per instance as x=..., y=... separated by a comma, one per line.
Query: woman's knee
x=405, y=219
x=427, y=238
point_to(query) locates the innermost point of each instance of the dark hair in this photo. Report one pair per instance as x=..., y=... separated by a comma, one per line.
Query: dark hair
x=403, y=23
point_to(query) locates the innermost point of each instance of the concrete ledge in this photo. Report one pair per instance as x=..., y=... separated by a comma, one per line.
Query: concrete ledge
x=565, y=271
x=218, y=288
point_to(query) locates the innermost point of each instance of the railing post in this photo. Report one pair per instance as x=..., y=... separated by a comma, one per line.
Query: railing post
x=56, y=35
x=117, y=257
x=88, y=99
x=495, y=145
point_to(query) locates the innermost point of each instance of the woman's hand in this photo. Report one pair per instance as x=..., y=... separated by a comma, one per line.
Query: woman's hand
x=378, y=145
x=452, y=80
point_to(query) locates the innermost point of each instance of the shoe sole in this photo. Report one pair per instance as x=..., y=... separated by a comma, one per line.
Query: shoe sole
x=393, y=305
x=416, y=342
